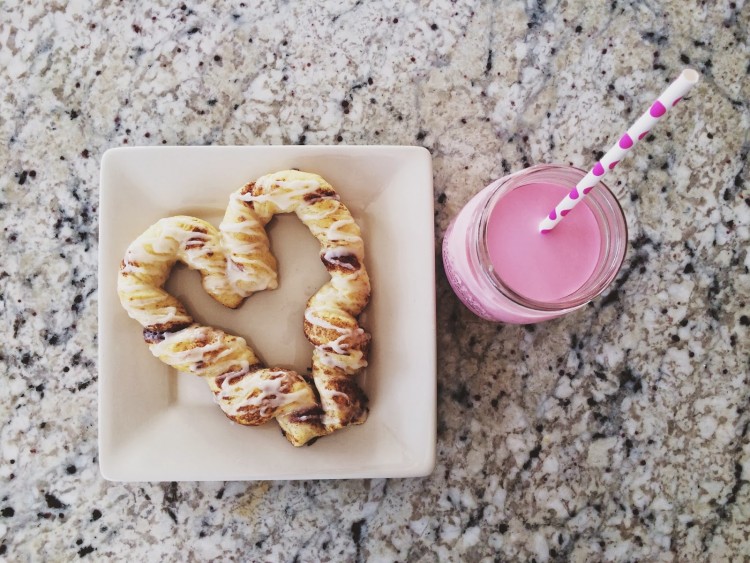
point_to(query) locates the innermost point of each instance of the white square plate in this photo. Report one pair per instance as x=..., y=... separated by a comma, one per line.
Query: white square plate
x=156, y=424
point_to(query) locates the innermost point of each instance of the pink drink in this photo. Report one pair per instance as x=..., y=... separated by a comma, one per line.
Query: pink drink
x=503, y=269
x=524, y=259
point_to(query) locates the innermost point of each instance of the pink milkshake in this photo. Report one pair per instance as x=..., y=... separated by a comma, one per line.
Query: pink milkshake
x=504, y=269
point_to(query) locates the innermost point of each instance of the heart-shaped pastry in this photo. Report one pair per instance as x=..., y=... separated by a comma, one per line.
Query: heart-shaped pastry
x=235, y=261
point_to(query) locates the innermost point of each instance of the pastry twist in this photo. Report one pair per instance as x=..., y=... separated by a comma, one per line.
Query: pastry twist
x=234, y=262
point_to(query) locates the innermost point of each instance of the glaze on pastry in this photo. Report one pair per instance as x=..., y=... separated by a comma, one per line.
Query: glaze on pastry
x=234, y=262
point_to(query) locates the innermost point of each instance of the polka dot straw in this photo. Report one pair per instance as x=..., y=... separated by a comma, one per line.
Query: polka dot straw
x=637, y=131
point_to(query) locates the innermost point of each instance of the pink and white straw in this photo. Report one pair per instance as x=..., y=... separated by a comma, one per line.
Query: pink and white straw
x=669, y=98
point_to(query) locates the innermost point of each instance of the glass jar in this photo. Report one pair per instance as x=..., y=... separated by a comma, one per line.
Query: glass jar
x=483, y=291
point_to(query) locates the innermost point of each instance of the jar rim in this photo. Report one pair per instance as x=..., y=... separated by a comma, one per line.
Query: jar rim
x=609, y=266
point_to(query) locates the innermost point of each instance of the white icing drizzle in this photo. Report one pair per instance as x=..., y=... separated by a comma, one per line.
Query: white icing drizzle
x=150, y=301
x=235, y=397
x=196, y=254
x=235, y=227
x=341, y=283
x=284, y=200
x=339, y=346
x=164, y=315
x=349, y=362
x=329, y=394
x=214, y=284
x=313, y=213
x=256, y=273
x=230, y=230
x=310, y=317
x=247, y=247
x=146, y=304
x=331, y=407
x=138, y=252
x=334, y=231
x=193, y=235
x=333, y=254
x=189, y=359
x=168, y=234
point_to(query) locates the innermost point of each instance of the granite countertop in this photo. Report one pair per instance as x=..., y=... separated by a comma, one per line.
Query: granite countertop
x=618, y=433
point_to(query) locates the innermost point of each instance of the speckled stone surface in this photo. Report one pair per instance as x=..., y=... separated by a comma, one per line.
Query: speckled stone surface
x=619, y=433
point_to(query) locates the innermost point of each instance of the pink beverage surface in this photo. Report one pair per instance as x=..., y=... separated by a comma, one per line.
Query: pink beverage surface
x=544, y=267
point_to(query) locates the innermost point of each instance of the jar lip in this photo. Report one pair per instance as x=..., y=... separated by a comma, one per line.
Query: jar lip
x=565, y=303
